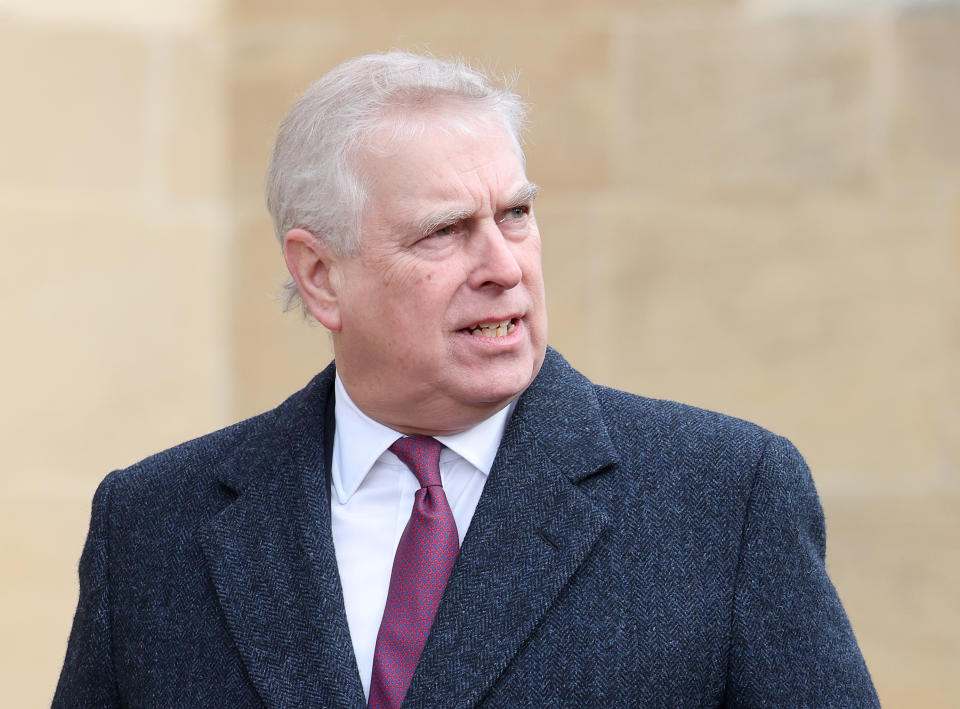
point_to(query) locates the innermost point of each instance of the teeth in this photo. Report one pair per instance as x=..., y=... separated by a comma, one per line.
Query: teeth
x=495, y=329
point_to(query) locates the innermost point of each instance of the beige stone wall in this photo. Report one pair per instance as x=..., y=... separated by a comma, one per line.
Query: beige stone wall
x=753, y=207
x=113, y=311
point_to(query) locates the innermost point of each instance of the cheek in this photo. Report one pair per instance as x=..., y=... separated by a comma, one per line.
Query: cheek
x=529, y=251
x=421, y=303
x=532, y=266
x=397, y=274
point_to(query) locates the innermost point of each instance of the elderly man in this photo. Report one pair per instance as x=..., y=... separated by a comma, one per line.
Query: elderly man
x=450, y=515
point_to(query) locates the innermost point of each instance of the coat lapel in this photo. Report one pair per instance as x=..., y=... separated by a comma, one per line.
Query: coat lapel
x=532, y=529
x=272, y=562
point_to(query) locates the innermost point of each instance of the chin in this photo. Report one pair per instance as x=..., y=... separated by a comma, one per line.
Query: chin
x=501, y=386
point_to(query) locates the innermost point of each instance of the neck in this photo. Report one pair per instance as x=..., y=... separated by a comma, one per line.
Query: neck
x=421, y=417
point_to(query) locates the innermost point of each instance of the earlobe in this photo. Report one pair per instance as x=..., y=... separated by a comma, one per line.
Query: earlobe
x=313, y=266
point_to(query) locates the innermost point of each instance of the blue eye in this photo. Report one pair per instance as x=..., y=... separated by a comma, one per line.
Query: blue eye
x=515, y=213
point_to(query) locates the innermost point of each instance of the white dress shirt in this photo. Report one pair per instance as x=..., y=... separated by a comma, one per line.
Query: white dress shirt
x=371, y=501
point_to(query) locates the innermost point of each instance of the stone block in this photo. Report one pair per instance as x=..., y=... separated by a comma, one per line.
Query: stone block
x=117, y=347
x=734, y=108
x=74, y=116
x=534, y=14
x=108, y=114
x=150, y=15
x=573, y=273
x=924, y=141
x=893, y=561
x=194, y=132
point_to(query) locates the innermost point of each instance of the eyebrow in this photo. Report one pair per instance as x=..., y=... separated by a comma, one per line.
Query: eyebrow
x=438, y=220
x=445, y=217
x=524, y=195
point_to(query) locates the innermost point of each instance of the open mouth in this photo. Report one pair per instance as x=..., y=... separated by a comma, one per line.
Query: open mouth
x=493, y=329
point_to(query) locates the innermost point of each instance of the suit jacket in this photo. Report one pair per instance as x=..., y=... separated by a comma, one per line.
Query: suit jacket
x=625, y=552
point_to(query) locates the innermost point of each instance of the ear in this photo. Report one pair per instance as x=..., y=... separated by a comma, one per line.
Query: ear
x=313, y=267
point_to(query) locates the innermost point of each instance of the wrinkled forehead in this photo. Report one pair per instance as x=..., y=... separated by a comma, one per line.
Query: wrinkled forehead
x=411, y=120
x=418, y=163
x=442, y=162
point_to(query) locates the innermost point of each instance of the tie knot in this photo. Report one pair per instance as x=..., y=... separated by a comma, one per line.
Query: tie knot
x=422, y=455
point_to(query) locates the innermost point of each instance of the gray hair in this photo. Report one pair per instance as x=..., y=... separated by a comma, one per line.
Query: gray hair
x=312, y=182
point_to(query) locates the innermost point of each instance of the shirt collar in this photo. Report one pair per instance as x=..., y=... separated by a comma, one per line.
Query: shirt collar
x=369, y=439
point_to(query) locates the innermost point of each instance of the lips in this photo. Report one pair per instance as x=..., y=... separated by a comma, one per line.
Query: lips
x=493, y=329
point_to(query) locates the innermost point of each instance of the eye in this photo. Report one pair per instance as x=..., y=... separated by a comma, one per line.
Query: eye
x=448, y=230
x=514, y=213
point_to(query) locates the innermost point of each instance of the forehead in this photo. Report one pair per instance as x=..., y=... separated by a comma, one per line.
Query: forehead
x=415, y=119
x=445, y=158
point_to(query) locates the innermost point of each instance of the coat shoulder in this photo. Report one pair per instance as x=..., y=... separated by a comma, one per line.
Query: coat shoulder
x=669, y=430
x=664, y=444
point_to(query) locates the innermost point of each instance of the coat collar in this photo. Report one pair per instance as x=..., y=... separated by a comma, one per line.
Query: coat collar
x=532, y=530
x=272, y=560
x=273, y=564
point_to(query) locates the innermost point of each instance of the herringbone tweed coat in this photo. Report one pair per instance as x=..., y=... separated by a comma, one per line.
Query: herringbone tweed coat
x=625, y=552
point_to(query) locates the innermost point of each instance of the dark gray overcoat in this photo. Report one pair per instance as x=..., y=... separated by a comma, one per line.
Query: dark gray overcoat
x=625, y=552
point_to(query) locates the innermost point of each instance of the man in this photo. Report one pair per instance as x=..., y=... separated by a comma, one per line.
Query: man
x=450, y=516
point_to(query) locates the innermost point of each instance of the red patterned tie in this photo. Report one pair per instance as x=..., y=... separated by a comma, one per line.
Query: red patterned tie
x=421, y=568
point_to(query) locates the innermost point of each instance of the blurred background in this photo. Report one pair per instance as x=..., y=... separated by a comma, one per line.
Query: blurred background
x=752, y=206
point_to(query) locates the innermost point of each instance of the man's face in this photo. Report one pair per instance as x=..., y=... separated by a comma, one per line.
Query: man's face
x=443, y=319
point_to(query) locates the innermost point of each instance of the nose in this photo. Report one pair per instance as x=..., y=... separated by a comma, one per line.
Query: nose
x=494, y=263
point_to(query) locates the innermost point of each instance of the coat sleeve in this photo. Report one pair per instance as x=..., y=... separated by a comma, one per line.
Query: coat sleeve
x=791, y=642
x=87, y=678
